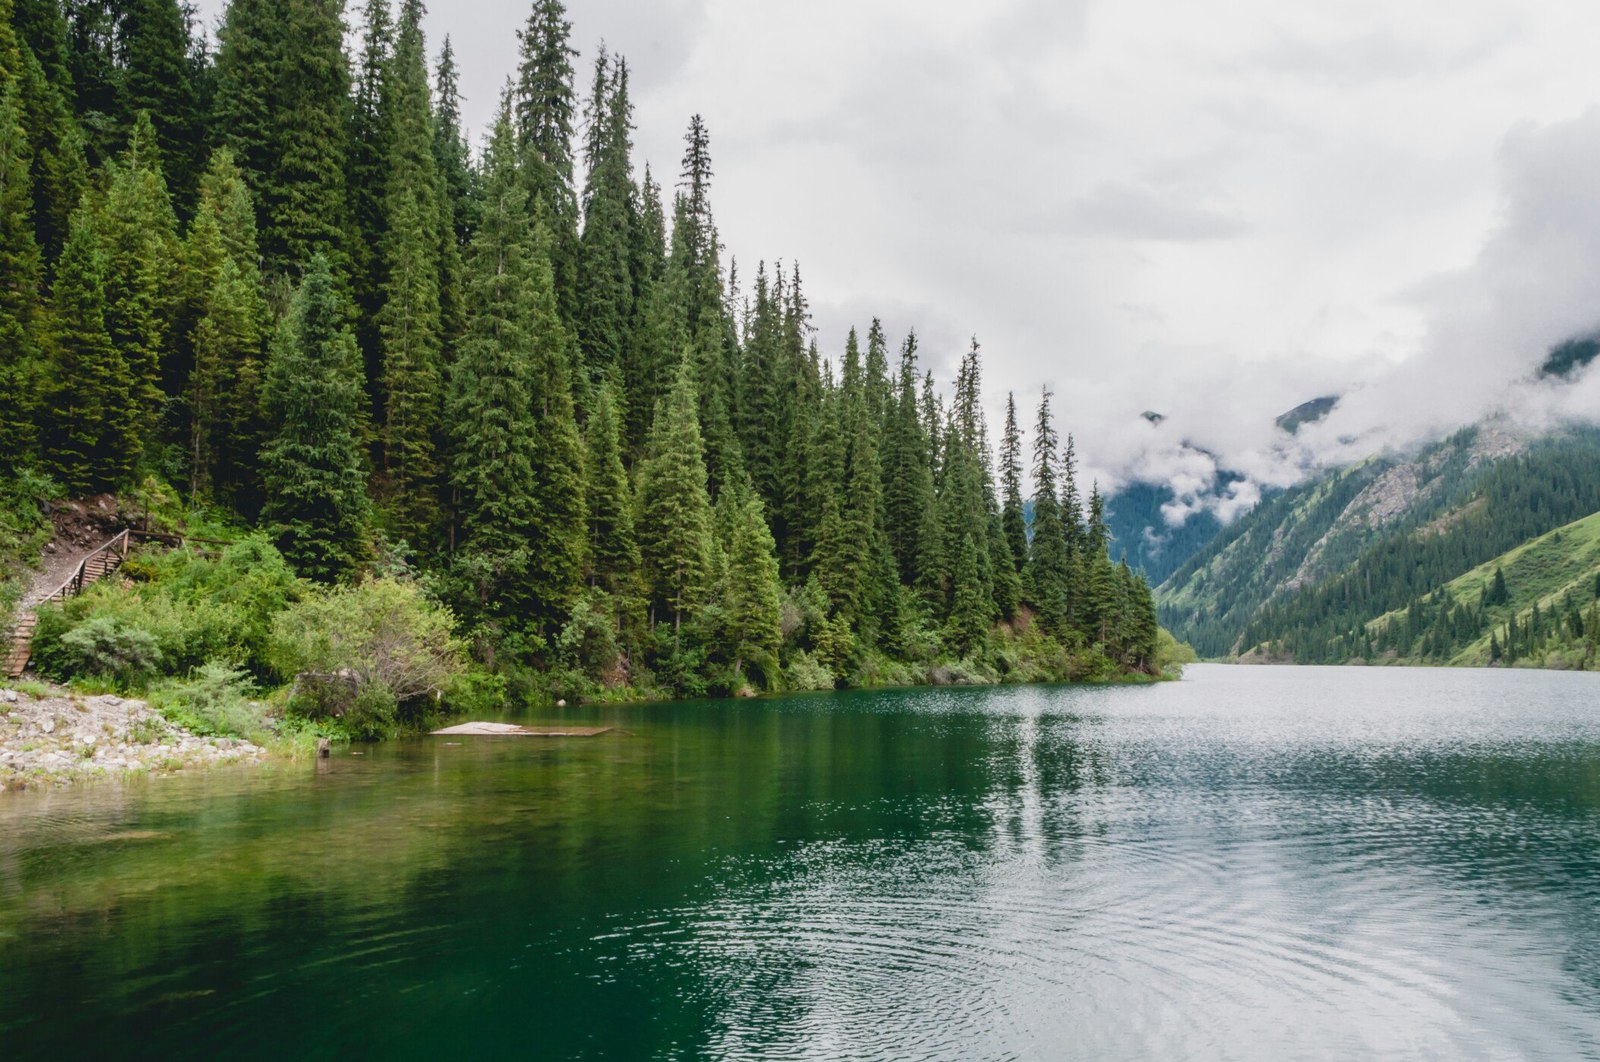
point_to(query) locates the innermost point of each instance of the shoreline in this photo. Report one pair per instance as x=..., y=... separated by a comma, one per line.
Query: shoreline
x=51, y=737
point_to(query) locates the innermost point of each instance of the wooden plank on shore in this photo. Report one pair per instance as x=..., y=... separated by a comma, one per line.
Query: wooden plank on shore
x=513, y=730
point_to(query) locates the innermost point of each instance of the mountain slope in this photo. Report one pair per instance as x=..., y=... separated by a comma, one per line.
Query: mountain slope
x=1313, y=532
x=1538, y=603
x=1141, y=535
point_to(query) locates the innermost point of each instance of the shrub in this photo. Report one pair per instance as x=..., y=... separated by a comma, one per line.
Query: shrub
x=105, y=647
x=588, y=643
x=806, y=672
x=1172, y=654
x=367, y=656
x=197, y=608
x=217, y=699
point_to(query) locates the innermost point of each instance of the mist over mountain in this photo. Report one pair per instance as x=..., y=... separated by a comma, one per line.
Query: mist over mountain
x=1510, y=338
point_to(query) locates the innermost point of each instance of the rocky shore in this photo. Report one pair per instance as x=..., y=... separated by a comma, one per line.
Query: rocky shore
x=61, y=737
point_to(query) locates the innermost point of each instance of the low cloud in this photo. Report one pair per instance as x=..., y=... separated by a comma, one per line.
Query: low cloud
x=1534, y=284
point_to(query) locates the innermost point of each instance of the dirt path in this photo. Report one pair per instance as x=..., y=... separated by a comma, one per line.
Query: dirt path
x=80, y=528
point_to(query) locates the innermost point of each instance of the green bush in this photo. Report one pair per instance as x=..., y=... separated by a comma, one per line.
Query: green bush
x=368, y=658
x=1172, y=654
x=806, y=672
x=105, y=647
x=196, y=608
x=218, y=699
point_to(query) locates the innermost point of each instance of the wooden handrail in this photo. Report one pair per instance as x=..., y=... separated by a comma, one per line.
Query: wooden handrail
x=75, y=582
x=21, y=635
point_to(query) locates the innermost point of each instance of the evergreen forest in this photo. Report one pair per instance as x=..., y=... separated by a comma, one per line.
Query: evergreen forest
x=271, y=278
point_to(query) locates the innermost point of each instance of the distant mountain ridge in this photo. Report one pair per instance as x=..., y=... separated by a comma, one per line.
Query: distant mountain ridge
x=1307, y=574
x=1136, y=513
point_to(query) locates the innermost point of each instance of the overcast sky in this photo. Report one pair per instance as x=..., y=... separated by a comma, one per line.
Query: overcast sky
x=1214, y=209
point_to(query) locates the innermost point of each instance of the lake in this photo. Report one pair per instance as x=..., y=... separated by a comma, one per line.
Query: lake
x=1252, y=863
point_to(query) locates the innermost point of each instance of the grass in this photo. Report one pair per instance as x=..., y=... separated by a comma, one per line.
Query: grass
x=1542, y=570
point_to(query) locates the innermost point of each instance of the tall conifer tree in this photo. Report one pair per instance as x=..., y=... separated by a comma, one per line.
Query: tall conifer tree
x=140, y=252
x=613, y=545
x=1012, y=516
x=312, y=466
x=1047, y=574
x=20, y=275
x=366, y=167
x=492, y=396
x=674, y=508
x=228, y=322
x=753, y=600
x=282, y=104
x=558, y=458
x=605, y=287
x=159, y=78
x=91, y=435
x=546, y=105
x=409, y=325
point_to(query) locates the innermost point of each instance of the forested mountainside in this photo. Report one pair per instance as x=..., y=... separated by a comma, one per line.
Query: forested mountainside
x=275, y=281
x=1537, y=604
x=1135, y=512
x=1309, y=574
x=1141, y=535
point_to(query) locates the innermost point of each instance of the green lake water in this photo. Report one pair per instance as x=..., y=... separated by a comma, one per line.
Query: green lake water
x=1252, y=863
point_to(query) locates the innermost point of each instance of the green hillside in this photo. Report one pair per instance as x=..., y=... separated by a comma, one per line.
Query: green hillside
x=1383, y=560
x=1315, y=531
x=1535, y=604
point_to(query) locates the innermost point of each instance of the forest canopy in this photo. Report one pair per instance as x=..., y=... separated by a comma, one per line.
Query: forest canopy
x=274, y=275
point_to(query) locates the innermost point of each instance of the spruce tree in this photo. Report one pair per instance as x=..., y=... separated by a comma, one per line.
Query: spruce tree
x=159, y=77
x=366, y=168
x=645, y=366
x=559, y=563
x=1045, y=579
x=495, y=432
x=971, y=608
x=605, y=292
x=141, y=252
x=763, y=379
x=453, y=166
x=452, y=156
x=849, y=539
x=1096, y=611
x=545, y=108
x=674, y=523
x=227, y=321
x=20, y=273
x=312, y=466
x=695, y=280
x=282, y=105
x=91, y=442
x=805, y=505
x=409, y=325
x=36, y=63
x=613, y=546
x=907, y=479
x=1013, y=519
x=753, y=598
x=251, y=40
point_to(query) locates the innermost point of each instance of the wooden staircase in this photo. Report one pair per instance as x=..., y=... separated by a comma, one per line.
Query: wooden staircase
x=94, y=567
